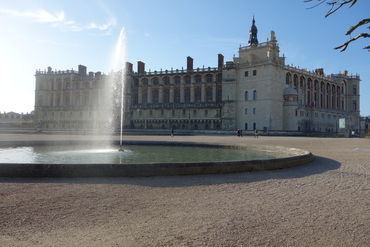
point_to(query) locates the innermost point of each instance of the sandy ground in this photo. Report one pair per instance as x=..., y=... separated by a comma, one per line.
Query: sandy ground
x=324, y=203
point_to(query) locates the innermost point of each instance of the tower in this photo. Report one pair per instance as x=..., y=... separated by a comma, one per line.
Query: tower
x=253, y=41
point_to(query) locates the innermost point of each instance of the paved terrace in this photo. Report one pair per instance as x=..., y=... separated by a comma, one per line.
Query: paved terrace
x=325, y=203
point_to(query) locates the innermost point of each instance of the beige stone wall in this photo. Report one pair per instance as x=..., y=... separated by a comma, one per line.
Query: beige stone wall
x=207, y=98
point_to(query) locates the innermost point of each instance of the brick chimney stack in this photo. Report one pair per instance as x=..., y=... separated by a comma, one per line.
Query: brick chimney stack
x=129, y=67
x=140, y=67
x=220, y=61
x=189, y=63
x=82, y=70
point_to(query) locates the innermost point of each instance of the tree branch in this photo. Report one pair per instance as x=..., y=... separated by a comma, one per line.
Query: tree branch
x=331, y=11
x=345, y=45
x=319, y=3
x=362, y=22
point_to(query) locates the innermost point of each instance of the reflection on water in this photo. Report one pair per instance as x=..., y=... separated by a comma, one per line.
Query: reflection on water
x=133, y=154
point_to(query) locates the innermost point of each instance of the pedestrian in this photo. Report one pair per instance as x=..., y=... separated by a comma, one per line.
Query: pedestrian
x=256, y=133
x=172, y=132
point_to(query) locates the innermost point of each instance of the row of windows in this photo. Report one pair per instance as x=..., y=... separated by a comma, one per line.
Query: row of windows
x=254, y=126
x=177, y=80
x=194, y=112
x=315, y=84
x=208, y=95
x=254, y=96
x=253, y=111
x=254, y=73
x=323, y=115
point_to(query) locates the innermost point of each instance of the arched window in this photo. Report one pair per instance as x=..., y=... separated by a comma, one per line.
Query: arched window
x=288, y=79
x=187, y=79
x=176, y=93
x=144, y=81
x=254, y=126
x=295, y=81
x=301, y=82
x=166, y=95
x=155, y=95
x=187, y=95
x=254, y=94
x=198, y=79
x=246, y=97
x=219, y=77
x=155, y=81
x=246, y=126
x=166, y=80
x=198, y=94
x=209, y=78
x=177, y=80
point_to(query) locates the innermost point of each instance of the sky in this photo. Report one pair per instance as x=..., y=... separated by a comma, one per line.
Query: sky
x=162, y=33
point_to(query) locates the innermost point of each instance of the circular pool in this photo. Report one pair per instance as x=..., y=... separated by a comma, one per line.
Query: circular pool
x=140, y=158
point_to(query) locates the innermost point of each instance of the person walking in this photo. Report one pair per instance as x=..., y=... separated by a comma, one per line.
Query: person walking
x=256, y=133
x=172, y=132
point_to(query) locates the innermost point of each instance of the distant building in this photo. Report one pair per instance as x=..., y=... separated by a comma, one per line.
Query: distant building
x=256, y=90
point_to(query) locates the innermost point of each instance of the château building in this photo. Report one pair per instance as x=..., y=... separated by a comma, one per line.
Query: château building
x=256, y=90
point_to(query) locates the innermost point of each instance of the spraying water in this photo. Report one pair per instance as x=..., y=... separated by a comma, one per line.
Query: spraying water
x=119, y=64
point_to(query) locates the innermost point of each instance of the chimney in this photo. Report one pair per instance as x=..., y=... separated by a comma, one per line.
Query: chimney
x=98, y=75
x=129, y=67
x=319, y=71
x=220, y=61
x=82, y=70
x=91, y=74
x=140, y=67
x=49, y=70
x=189, y=63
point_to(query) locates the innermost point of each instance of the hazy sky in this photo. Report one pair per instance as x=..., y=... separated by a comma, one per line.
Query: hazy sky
x=62, y=34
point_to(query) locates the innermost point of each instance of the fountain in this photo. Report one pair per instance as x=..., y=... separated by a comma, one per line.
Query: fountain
x=76, y=158
x=119, y=63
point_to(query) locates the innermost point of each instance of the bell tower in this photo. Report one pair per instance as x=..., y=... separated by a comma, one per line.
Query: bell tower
x=253, y=41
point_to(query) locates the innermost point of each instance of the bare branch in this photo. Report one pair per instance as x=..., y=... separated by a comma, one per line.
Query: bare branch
x=334, y=3
x=367, y=47
x=345, y=45
x=319, y=3
x=362, y=22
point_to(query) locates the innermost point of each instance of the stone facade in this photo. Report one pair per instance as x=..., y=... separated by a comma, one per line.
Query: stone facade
x=254, y=91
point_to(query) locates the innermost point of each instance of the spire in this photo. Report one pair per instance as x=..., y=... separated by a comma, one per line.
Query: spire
x=253, y=41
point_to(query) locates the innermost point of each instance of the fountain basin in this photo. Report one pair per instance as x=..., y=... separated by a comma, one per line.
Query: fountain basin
x=264, y=158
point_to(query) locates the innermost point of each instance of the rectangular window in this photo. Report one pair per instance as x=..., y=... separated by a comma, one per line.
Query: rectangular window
x=246, y=111
x=254, y=72
x=254, y=110
x=246, y=73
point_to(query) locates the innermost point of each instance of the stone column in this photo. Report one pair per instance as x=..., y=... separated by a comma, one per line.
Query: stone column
x=182, y=93
x=149, y=95
x=192, y=93
x=172, y=96
x=203, y=92
x=140, y=95
x=160, y=96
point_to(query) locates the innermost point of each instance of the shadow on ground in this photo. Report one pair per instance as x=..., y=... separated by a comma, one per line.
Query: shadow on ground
x=319, y=165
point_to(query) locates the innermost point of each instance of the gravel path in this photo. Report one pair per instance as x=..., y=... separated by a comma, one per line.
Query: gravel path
x=325, y=203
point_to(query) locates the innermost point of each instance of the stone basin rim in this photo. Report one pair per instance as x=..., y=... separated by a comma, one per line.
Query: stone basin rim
x=296, y=157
